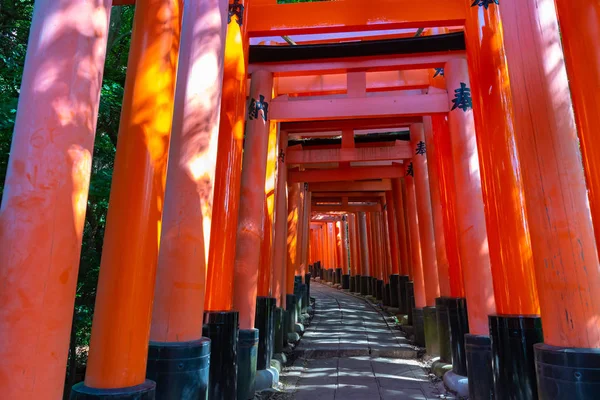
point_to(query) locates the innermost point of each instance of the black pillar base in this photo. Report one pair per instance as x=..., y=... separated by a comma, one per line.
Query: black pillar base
x=374, y=286
x=352, y=287
x=364, y=285
x=264, y=321
x=459, y=327
x=430, y=328
x=402, y=295
x=346, y=282
x=307, y=283
x=513, y=365
x=567, y=373
x=145, y=391
x=357, y=283
x=419, y=327
x=479, y=367
x=180, y=369
x=247, y=354
x=379, y=289
x=386, y=295
x=221, y=327
x=291, y=308
x=394, y=290
x=300, y=293
x=338, y=276
x=278, y=345
x=409, y=300
x=443, y=321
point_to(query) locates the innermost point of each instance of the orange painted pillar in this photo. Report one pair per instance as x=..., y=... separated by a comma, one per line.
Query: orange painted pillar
x=300, y=269
x=406, y=218
x=436, y=208
x=415, y=241
x=445, y=167
x=280, y=234
x=473, y=242
x=393, y=231
x=354, y=262
x=385, y=232
x=305, y=230
x=423, y=196
x=401, y=225
x=254, y=169
x=117, y=357
x=564, y=250
x=501, y=170
x=292, y=236
x=376, y=245
x=372, y=252
x=267, y=266
x=345, y=244
x=45, y=194
x=177, y=314
x=221, y=255
x=580, y=29
x=364, y=252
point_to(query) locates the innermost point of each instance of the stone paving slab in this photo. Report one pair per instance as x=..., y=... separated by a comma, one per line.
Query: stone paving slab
x=350, y=351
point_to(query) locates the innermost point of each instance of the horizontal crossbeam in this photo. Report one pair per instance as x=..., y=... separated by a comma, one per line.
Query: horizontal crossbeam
x=345, y=174
x=365, y=186
x=285, y=109
x=400, y=151
x=351, y=15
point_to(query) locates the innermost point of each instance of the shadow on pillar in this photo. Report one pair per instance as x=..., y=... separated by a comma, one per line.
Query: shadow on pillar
x=145, y=391
x=459, y=327
x=567, y=373
x=180, y=369
x=430, y=329
x=291, y=316
x=222, y=328
x=479, y=367
x=265, y=323
x=338, y=276
x=386, y=295
x=513, y=358
x=443, y=322
x=307, y=283
x=403, y=299
x=419, y=327
x=247, y=357
x=352, y=286
x=357, y=283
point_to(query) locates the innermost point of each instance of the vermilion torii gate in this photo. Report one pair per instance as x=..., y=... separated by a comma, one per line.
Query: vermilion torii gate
x=439, y=173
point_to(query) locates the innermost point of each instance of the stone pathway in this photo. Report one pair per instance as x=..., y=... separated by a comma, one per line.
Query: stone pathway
x=350, y=351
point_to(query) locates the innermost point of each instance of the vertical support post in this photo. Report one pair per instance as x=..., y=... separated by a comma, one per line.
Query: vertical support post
x=579, y=31
x=280, y=240
x=423, y=196
x=268, y=266
x=473, y=242
x=364, y=251
x=436, y=209
x=556, y=199
x=300, y=269
x=49, y=171
x=292, y=236
x=117, y=357
x=221, y=255
x=177, y=316
x=344, y=237
x=401, y=224
x=254, y=168
x=393, y=231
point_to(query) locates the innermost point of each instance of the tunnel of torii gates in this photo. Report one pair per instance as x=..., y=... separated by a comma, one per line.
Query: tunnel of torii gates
x=440, y=156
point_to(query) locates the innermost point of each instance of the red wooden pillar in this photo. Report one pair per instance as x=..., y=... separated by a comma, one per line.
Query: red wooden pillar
x=401, y=224
x=280, y=238
x=445, y=166
x=415, y=240
x=423, y=196
x=41, y=222
x=177, y=316
x=393, y=231
x=221, y=255
x=580, y=29
x=345, y=244
x=254, y=168
x=436, y=208
x=117, y=357
x=292, y=236
x=562, y=236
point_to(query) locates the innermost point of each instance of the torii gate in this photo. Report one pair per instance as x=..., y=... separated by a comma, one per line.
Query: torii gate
x=490, y=202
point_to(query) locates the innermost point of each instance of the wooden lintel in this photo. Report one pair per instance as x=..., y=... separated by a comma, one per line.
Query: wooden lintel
x=345, y=174
x=400, y=151
x=363, y=186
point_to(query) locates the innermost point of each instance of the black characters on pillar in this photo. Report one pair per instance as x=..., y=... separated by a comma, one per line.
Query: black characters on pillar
x=421, y=149
x=438, y=72
x=484, y=3
x=236, y=9
x=281, y=156
x=409, y=170
x=462, y=98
